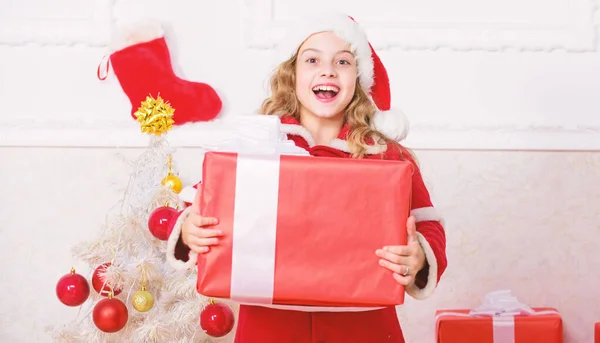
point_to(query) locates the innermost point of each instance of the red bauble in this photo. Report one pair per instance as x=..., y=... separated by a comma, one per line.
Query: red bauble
x=217, y=319
x=72, y=289
x=97, y=282
x=110, y=315
x=160, y=220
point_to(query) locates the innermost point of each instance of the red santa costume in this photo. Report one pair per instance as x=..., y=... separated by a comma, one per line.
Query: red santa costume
x=281, y=324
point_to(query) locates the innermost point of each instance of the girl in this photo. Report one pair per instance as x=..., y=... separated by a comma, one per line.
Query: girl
x=332, y=96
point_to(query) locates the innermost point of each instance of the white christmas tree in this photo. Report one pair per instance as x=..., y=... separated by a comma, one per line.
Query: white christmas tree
x=133, y=294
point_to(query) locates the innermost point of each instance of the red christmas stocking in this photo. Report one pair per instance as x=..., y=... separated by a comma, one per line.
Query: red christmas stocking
x=143, y=67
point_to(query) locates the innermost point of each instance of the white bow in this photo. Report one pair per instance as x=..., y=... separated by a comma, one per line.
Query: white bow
x=501, y=303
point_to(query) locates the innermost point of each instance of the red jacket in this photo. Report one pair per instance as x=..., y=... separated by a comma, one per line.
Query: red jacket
x=430, y=232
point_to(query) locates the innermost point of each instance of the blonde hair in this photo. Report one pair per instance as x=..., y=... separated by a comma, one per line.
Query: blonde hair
x=358, y=114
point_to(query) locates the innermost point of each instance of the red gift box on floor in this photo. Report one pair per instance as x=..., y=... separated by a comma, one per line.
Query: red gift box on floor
x=303, y=230
x=542, y=328
x=501, y=319
x=597, y=333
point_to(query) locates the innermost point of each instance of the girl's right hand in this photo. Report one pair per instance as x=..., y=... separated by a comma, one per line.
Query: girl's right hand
x=195, y=234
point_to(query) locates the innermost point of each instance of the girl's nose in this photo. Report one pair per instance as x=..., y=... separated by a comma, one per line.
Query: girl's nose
x=328, y=71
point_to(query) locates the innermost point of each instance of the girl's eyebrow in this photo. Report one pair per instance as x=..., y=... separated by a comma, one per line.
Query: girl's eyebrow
x=319, y=51
x=310, y=49
x=346, y=51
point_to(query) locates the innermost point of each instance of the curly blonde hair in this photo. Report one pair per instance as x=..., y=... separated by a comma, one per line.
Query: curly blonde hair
x=358, y=114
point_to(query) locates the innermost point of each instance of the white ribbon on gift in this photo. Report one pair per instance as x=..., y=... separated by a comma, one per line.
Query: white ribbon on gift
x=255, y=224
x=255, y=207
x=502, y=306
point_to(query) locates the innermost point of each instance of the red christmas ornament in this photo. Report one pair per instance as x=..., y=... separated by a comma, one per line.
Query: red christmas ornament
x=98, y=282
x=72, y=289
x=217, y=319
x=160, y=220
x=110, y=315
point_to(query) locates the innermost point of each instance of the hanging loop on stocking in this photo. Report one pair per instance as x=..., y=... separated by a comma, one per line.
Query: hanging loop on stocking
x=103, y=75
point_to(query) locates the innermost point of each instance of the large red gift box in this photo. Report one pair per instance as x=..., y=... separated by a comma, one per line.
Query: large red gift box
x=303, y=230
x=457, y=326
x=597, y=333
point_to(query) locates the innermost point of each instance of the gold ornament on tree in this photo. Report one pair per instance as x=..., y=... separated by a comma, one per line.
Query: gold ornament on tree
x=155, y=116
x=142, y=300
x=171, y=180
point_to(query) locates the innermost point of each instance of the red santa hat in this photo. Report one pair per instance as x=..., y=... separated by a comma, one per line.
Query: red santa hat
x=372, y=75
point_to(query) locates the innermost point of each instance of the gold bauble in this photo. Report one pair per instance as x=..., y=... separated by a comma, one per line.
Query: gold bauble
x=142, y=300
x=172, y=182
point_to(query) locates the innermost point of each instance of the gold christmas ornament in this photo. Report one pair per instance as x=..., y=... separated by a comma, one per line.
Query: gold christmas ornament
x=171, y=180
x=142, y=300
x=155, y=116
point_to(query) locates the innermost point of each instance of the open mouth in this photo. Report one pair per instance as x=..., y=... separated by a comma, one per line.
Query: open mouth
x=326, y=93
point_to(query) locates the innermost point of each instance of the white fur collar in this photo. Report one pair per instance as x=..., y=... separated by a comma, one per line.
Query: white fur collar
x=339, y=144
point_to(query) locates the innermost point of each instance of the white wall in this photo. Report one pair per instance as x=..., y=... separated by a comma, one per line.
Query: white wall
x=517, y=77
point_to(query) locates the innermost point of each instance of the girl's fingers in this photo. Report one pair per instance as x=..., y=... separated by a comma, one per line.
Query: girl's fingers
x=396, y=268
x=202, y=245
x=394, y=258
x=403, y=280
x=403, y=250
x=204, y=221
x=207, y=233
x=199, y=249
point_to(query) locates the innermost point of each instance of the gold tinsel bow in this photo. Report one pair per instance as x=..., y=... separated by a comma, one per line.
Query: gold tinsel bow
x=155, y=116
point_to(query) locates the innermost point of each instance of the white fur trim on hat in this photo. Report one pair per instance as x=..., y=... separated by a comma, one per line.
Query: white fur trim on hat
x=393, y=124
x=342, y=26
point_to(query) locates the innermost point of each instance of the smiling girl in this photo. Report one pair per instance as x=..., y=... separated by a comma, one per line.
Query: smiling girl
x=332, y=95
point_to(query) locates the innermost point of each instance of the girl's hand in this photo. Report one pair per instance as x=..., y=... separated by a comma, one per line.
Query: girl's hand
x=404, y=260
x=196, y=236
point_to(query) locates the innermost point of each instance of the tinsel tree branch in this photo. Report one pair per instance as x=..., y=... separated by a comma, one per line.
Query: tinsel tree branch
x=125, y=241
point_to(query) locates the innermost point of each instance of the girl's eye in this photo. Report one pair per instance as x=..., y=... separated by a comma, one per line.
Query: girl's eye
x=311, y=60
x=344, y=62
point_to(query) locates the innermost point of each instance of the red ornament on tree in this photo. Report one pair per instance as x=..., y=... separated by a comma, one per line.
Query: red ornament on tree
x=98, y=282
x=110, y=315
x=217, y=319
x=160, y=220
x=72, y=289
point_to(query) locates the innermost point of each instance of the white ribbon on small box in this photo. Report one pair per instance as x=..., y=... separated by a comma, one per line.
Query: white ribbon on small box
x=502, y=306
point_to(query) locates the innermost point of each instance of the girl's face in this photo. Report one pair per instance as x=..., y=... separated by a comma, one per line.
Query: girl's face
x=326, y=75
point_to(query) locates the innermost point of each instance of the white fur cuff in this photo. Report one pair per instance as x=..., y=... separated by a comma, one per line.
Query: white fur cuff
x=188, y=194
x=424, y=293
x=424, y=214
x=135, y=34
x=172, y=244
x=392, y=123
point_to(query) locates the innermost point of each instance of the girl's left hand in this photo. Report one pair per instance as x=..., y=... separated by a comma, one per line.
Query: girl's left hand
x=404, y=260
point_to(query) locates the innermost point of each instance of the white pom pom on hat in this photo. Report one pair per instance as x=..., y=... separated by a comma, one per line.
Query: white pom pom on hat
x=372, y=74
